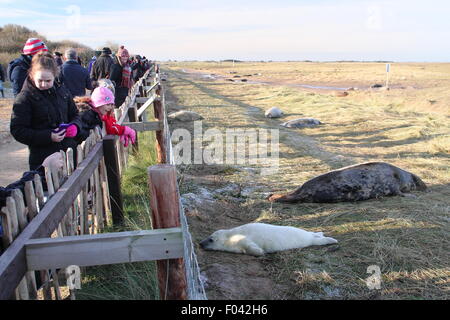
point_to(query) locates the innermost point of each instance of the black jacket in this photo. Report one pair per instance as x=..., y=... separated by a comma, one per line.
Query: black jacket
x=76, y=78
x=89, y=120
x=101, y=67
x=18, y=72
x=35, y=113
x=2, y=74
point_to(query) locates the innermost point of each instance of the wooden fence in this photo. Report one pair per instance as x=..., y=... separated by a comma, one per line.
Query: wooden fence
x=64, y=227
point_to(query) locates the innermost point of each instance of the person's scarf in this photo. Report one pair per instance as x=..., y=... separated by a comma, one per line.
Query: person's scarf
x=126, y=75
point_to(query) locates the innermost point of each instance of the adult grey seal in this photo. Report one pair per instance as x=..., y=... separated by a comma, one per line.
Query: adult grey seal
x=301, y=123
x=355, y=183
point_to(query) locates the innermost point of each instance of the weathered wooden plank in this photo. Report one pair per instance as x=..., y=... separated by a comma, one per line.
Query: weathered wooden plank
x=145, y=126
x=105, y=248
x=165, y=214
x=150, y=88
x=28, y=289
x=30, y=197
x=113, y=174
x=13, y=260
x=147, y=104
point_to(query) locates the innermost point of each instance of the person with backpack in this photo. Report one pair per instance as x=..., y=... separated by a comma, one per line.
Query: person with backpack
x=92, y=61
x=18, y=68
x=101, y=67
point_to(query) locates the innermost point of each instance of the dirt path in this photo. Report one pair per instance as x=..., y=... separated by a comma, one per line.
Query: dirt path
x=13, y=155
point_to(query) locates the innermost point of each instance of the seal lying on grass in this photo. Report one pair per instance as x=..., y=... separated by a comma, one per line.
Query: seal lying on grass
x=273, y=112
x=354, y=183
x=259, y=238
x=301, y=123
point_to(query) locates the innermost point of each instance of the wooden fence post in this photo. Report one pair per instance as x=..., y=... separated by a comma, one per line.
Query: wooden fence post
x=166, y=214
x=132, y=117
x=113, y=173
x=159, y=116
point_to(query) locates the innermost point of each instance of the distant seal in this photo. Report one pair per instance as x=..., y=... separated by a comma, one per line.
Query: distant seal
x=355, y=183
x=259, y=238
x=341, y=93
x=273, y=112
x=301, y=123
x=184, y=116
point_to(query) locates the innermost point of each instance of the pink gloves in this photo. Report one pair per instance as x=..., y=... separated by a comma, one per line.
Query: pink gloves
x=71, y=131
x=128, y=134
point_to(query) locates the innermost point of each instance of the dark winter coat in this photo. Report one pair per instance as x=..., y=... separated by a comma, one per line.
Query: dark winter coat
x=36, y=113
x=101, y=67
x=89, y=120
x=116, y=76
x=18, y=72
x=76, y=78
x=2, y=74
x=139, y=70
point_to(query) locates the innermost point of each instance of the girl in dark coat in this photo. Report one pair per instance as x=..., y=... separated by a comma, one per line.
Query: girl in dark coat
x=40, y=109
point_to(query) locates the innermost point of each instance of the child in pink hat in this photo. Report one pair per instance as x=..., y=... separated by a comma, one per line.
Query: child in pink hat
x=98, y=109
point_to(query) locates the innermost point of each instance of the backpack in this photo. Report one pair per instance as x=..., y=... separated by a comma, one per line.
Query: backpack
x=11, y=67
x=13, y=64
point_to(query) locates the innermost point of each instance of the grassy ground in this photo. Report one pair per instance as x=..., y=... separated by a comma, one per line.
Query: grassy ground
x=131, y=281
x=408, y=126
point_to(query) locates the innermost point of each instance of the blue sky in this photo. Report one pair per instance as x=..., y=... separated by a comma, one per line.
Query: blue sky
x=398, y=30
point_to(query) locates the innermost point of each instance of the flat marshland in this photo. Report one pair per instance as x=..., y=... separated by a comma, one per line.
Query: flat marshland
x=408, y=126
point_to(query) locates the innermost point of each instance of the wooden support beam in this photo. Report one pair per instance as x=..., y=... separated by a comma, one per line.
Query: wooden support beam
x=160, y=142
x=132, y=115
x=113, y=173
x=145, y=126
x=150, y=88
x=166, y=214
x=141, y=100
x=13, y=265
x=147, y=103
x=105, y=248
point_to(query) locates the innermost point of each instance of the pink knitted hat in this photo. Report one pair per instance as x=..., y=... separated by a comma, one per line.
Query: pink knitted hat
x=123, y=52
x=102, y=96
x=33, y=46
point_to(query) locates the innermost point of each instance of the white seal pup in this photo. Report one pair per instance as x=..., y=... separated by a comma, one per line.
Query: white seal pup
x=259, y=238
x=301, y=123
x=273, y=112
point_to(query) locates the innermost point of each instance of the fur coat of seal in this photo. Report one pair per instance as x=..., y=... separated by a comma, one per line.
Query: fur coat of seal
x=354, y=183
x=259, y=238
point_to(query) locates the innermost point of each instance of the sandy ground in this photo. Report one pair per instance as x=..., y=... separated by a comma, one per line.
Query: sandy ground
x=13, y=155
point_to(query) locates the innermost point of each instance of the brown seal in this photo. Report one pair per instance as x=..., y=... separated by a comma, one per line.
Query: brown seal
x=355, y=183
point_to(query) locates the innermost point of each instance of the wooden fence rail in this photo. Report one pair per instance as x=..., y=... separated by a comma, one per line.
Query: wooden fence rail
x=63, y=227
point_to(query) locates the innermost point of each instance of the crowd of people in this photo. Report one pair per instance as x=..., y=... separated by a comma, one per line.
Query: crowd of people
x=52, y=111
x=52, y=108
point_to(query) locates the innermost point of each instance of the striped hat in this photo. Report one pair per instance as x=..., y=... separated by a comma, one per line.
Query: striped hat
x=33, y=46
